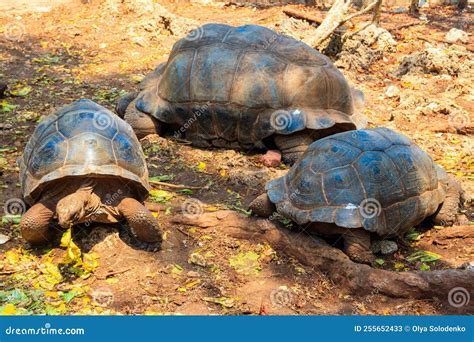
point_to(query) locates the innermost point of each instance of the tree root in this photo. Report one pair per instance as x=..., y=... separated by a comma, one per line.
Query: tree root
x=311, y=251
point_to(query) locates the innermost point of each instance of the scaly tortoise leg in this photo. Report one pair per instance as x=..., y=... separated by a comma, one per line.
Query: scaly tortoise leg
x=447, y=214
x=294, y=145
x=35, y=224
x=142, y=224
x=262, y=206
x=357, y=245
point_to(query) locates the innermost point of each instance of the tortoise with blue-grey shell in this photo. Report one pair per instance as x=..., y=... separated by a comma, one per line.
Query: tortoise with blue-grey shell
x=85, y=164
x=358, y=183
x=244, y=87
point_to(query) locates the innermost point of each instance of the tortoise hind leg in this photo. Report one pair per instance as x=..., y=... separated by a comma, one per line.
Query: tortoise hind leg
x=35, y=224
x=262, y=206
x=142, y=224
x=357, y=245
x=447, y=213
x=294, y=145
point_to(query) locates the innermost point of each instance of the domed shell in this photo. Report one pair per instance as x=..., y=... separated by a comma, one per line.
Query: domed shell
x=82, y=139
x=375, y=178
x=234, y=80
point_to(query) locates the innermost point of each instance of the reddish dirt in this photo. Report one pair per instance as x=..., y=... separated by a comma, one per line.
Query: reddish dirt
x=80, y=50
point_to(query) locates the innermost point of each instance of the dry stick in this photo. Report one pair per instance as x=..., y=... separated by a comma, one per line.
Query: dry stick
x=357, y=278
x=109, y=274
x=303, y=16
x=175, y=186
x=335, y=19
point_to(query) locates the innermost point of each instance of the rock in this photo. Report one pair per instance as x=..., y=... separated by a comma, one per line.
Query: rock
x=400, y=10
x=384, y=247
x=455, y=35
x=454, y=61
x=392, y=91
x=272, y=158
x=4, y=239
x=197, y=259
x=361, y=50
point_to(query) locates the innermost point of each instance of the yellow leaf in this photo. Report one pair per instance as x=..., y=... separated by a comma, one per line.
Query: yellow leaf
x=201, y=166
x=9, y=309
x=112, y=280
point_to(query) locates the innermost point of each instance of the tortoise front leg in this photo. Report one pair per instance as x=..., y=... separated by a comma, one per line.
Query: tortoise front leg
x=357, y=245
x=142, y=224
x=35, y=224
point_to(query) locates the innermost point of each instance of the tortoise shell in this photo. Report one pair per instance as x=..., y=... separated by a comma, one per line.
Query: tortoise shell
x=82, y=139
x=243, y=84
x=376, y=179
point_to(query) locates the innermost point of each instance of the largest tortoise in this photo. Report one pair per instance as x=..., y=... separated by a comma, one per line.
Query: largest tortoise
x=362, y=183
x=244, y=87
x=84, y=164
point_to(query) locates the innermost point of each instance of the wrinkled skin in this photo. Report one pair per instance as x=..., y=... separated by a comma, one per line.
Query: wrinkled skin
x=88, y=200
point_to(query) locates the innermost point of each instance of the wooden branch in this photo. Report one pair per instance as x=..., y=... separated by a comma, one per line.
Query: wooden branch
x=175, y=186
x=311, y=251
x=303, y=16
x=361, y=12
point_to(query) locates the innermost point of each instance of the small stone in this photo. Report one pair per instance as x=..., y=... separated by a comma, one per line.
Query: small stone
x=388, y=247
x=392, y=91
x=384, y=247
x=193, y=274
x=400, y=10
x=197, y=259
x=4, y=239
x=455, y=35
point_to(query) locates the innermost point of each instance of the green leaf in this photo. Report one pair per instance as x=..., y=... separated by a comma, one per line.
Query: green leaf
x=6, y=107
x=69, y=296
x=15, y=219
x=412, y=235
x=185, y=191
x=423, y=256
x=246, y=263
x=160, y=196
x=379, y=262
x=162, y=178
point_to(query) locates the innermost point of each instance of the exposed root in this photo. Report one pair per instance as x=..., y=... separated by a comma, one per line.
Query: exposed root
x=357, y=278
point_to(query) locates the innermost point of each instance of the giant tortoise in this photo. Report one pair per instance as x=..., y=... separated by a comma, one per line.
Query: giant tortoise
x=244, y=87
x=85, y=164
x=358, y=183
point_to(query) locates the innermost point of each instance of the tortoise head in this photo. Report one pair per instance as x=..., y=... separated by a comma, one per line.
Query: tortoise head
x=71, y=210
